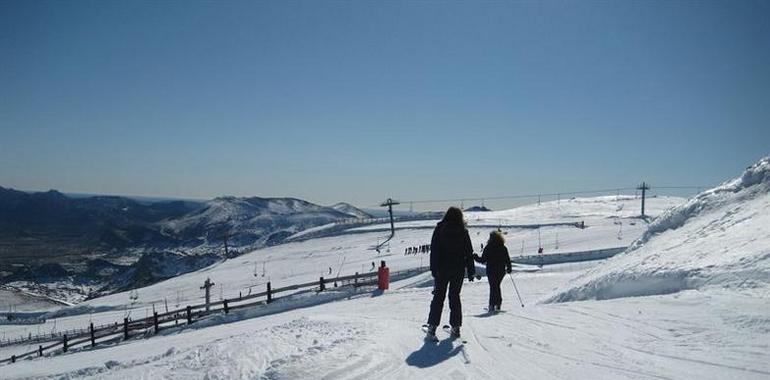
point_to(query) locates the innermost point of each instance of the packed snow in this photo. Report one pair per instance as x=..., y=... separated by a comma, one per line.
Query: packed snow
x=715, y=328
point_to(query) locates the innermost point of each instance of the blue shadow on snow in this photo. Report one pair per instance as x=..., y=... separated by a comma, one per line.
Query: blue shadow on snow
x=431, y=354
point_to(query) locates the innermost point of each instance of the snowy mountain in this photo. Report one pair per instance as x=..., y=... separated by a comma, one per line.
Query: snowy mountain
x=351, y=210
x=719, y=238
x=63, y=246
x=71, y=248
x=248, y=222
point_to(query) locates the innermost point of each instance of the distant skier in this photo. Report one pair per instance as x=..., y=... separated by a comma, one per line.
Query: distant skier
x=498, y=262
x=449, y=260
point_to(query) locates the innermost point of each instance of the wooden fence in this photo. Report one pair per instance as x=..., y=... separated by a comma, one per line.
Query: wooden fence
x=190, y=314
x=44, y=337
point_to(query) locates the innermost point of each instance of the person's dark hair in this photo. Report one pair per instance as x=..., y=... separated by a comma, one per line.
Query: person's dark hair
x=454, y=215
x=496, y=238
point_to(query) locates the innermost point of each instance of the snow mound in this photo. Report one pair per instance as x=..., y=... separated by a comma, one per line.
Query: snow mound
x=720, y=237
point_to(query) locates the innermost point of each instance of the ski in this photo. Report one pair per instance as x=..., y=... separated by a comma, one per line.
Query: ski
x=493, y=311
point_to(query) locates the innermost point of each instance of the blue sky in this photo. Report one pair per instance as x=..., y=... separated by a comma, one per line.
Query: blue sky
x=358, y=101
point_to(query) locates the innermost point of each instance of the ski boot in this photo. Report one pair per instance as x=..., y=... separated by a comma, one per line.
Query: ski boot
x=455, y=332
x=430, y=333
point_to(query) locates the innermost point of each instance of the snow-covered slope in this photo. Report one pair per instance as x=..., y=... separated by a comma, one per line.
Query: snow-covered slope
x=353, y=211
x=369, y=335
x=366, y=334
x=575, y=209
x=719, y=238
x=299, y=262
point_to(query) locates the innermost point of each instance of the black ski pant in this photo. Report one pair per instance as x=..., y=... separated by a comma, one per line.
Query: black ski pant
x=495, y=295
x=454, y=284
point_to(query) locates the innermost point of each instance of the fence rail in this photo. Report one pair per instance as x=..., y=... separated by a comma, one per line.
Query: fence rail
x=189, y=314
x=44, y=337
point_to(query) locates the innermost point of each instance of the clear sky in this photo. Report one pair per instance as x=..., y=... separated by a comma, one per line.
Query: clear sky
x=363, y=100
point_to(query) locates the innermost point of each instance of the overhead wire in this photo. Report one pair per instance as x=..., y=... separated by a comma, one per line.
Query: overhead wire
x=535, y=195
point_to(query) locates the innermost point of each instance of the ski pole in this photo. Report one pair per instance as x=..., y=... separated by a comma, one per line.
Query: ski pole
x=517, y=289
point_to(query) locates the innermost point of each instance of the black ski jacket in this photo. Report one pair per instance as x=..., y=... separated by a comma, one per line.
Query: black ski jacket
x=496, y=258
x=451, y=252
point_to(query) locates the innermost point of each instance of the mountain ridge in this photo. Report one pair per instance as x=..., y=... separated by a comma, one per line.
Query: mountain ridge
x=49, y=237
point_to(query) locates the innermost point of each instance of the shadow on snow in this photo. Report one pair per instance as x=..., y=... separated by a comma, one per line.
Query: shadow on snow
x=431, y=353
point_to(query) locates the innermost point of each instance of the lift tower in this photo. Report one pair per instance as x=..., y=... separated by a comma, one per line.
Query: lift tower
x=390, y=203
x=643, y=187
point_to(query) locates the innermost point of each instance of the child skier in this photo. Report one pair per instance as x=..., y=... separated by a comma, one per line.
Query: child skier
x=498, y=262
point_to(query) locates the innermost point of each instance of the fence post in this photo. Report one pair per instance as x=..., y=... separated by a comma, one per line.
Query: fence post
x=321, y=286
x=65, y=343
x=125, y=328
x=93, y=336
x=189, y=315
x=13, y=358
x=40, y=350
x=155, y=321
x=269, y=293
x=227, y=308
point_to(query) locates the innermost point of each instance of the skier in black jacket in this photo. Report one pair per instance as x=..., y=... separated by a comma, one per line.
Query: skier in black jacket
x=450, y=257
x=498, y=262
